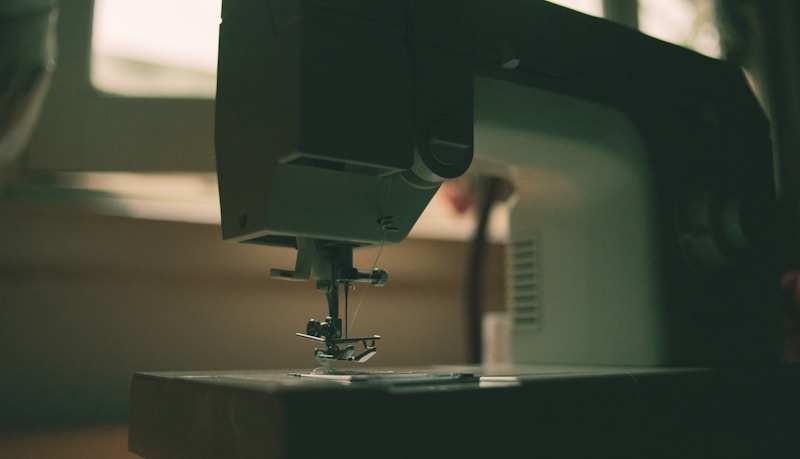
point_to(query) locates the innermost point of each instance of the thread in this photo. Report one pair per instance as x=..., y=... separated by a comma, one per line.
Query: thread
x=364, y=292
x=388, y=200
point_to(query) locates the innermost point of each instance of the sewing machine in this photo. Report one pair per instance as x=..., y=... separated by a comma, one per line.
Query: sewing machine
x=642, y=172
x=640, y=236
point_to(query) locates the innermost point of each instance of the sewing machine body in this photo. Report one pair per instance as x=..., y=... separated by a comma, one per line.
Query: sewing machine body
x=642, y=172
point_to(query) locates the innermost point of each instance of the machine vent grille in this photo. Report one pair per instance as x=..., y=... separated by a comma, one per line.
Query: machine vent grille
x=523, y=290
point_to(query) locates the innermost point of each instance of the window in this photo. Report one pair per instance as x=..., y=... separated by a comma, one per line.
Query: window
x=689, y=23
x=591, y=7
x=155, y=47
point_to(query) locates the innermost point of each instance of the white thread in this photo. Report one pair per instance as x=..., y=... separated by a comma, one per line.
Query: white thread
x=351, y=323
x=364, y=293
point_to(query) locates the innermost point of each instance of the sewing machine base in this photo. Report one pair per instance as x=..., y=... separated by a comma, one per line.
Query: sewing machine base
x=567, y=411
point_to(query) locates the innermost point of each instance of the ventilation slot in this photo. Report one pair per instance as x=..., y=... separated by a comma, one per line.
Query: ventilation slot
x=523, y=291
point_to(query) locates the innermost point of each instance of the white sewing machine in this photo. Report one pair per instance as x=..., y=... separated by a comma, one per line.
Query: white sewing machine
x=642, y=177
x=642, y=172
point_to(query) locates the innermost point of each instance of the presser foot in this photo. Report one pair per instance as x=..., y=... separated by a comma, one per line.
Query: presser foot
x=333, y=351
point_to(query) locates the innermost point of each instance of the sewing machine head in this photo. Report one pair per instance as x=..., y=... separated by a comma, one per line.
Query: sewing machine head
x=641, y=170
